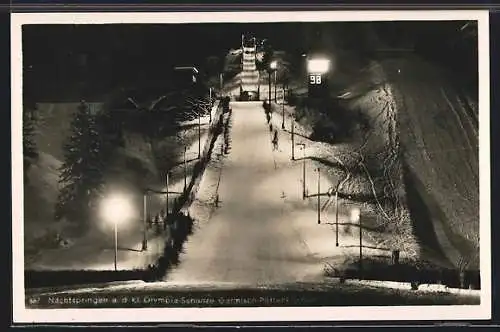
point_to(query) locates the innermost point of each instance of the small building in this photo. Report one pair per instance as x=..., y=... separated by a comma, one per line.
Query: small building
x=186, y=76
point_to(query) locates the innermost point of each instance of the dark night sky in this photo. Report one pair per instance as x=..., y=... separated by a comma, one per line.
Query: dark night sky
x=175, y=42
x=116, y=52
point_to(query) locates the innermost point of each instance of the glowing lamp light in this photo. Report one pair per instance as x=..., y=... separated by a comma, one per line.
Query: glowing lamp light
x=355, y=213
x=318, y=66
x=273, y=65
x=116, y=209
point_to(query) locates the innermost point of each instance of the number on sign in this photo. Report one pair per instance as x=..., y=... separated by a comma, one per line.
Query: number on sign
x=315, y=79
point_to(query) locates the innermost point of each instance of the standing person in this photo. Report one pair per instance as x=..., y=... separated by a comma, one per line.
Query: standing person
x=275, y=140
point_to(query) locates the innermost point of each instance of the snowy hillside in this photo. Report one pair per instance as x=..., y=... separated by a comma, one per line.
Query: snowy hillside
x=132, y=168
x=405, y=106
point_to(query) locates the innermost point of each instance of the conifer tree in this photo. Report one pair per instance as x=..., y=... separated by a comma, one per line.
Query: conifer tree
x=81, y=179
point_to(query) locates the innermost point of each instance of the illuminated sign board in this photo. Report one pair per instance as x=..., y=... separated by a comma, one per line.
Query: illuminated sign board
x=317, y=85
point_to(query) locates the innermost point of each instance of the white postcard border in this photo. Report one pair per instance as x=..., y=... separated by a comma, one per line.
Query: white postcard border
x=393, y=313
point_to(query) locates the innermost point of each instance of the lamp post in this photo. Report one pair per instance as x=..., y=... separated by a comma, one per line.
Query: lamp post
x=303, y=147
x=275, y=85
x=356, y=218
x=199, y=134
x=116, y=209
x=145, y=221
x=269, y=88
x=185, y=170
x=293, y=140
x=272, y=67
x=337, y=189
x=283, y=111
x=167, y=184
x=337, y=217
x=116, y=243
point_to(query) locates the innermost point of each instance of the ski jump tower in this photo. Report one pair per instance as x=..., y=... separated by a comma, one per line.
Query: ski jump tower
x=250, y=75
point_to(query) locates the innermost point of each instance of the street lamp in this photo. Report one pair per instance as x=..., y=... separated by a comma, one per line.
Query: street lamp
x=356, y=218
x=199, y=133
x=319, y=200
x=145, y=221
x=116, y=209
x=167, y=179
x=337, y=189
x=275, y=85
x=293, y=138
x=272, y=67
x=210, y=108
x=283, y=111
x=185, y=170
x=318, y=66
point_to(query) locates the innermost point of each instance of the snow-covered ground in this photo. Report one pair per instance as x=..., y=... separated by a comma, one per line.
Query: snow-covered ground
x=338, y=162
x=263, y=231
x=95, y=250
x=436, y=131
x=438, y=137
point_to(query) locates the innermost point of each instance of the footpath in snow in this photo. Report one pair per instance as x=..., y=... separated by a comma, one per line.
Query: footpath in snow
x=263, y=232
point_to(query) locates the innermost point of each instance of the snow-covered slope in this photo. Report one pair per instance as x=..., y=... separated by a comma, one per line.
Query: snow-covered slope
x=408, y=105
x=439, y=137
x=132, y=168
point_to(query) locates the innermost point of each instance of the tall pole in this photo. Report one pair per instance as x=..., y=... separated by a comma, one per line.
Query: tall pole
x=210, y=108
x=116, y=243
x=220, y=81
x=360, y=247
x=199, y=134
x=149, y=209
x=185, y=170
x=269, y=94
x=275, y=72
x=283, y=112
x=337, y=217
x=319, y=211
x=293, y=141
x=144, y=238
x=304, y=173
x=275, y=85
x=166, y=180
